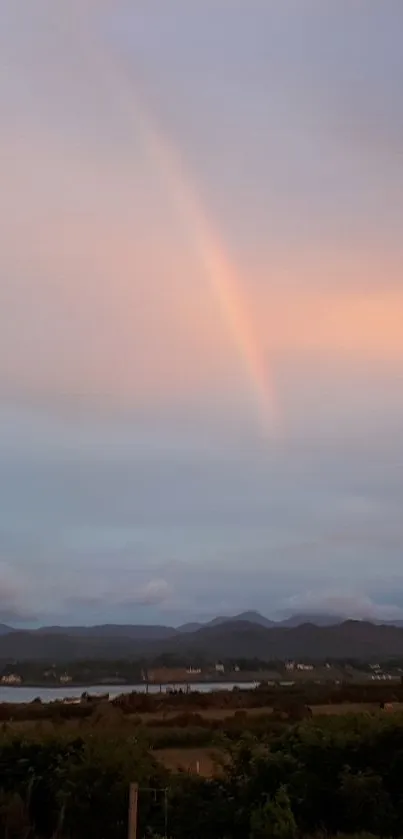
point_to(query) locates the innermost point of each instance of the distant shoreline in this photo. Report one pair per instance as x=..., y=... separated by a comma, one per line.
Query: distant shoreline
x=153, y=685
x=27, y=693
x=57, y=686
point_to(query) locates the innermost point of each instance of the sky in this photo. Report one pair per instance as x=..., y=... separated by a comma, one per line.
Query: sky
x=201, y=299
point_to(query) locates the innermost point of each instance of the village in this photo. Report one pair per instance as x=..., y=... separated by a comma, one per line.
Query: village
x=219, y=674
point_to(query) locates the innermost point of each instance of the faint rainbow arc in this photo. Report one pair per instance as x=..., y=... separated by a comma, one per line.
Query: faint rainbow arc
x=220, y=271
x=222, y=275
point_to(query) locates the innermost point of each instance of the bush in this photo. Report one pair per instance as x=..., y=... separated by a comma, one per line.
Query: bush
x=274, y=818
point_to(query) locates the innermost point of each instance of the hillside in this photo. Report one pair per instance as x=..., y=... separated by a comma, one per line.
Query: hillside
x=145, y=632
x=236, y=639
x=137, y=632
x=249, y=617
x=352, y=639
x=27, y=646
x=317, y=620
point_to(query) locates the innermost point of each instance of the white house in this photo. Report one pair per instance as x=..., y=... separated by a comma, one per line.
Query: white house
x=11, y=679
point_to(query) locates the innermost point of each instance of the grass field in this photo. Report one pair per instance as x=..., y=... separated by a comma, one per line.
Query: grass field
x=200, y=761
x=228, y=713
x=354, y=708
x=204, y=713
x=205, y=761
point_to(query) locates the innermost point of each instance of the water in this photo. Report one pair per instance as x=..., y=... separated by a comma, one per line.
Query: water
x=28, y=694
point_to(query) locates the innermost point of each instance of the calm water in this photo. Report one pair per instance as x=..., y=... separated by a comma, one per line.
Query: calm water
x=27, y=694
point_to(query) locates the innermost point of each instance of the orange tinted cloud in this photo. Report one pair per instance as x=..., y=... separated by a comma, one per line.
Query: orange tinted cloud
x=102, y=294
x=98, y=298
x=359, y=325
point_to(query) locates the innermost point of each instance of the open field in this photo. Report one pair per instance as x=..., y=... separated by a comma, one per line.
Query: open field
x=217, y=714
x=212, y=714
x=345, y=708
x=286, y=708
x=197, y=761
x=354, y=708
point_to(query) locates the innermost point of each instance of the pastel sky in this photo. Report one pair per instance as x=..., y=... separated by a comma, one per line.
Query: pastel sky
x=201, y=309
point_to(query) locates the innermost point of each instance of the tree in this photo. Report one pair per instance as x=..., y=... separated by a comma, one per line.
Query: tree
x=274, y=819
x=365, y=803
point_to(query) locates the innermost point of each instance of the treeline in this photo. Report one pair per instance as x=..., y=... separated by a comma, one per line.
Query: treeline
x=132, y=671
x=339, y=776
x=277, y=696
x=183, y=730
x=82, y=672
x=283, y=700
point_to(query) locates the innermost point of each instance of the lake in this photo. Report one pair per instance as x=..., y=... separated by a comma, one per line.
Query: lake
x=28, y=694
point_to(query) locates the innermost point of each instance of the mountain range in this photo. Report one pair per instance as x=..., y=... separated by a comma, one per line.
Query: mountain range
x=158, y=632
x=249, y=635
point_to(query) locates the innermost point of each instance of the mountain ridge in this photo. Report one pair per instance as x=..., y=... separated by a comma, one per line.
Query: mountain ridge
x=237, y=639
x=161, y=631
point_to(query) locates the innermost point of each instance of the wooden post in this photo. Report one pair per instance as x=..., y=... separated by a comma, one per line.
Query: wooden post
x=165, y=813
x=132, y=822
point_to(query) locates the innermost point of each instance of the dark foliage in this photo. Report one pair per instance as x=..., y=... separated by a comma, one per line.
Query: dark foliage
x=341, y=775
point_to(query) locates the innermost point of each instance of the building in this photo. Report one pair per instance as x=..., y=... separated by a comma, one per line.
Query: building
x=219, y=667
x=295, y=665
x=168, y=675
x=65, y=679
x=11, y=679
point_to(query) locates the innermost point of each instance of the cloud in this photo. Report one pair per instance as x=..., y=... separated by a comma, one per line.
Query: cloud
x=154, y=593
x=108, y=326
x=342, y=604
x=12, y=606
x=126, y=535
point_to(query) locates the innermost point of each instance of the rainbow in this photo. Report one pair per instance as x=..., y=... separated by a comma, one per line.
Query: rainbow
x=218, y=268
x=213, y=256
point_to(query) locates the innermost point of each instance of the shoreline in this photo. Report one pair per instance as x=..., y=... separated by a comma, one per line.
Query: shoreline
x=28, y=693
x=115, y=685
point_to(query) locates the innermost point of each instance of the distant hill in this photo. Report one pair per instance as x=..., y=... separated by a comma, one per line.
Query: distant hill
x=317, y=620
x=248, y=617
x=30, y=646
x=144, y=631
x=231, y=639
x=156, y=632
x=138, y=632
x=190, y=627
x=351, y=639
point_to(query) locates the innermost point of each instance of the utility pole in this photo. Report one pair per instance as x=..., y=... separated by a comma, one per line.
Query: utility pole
x=133, y=807
x=132, y=821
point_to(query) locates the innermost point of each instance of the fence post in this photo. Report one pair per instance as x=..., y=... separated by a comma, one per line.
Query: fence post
x=132, y=821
